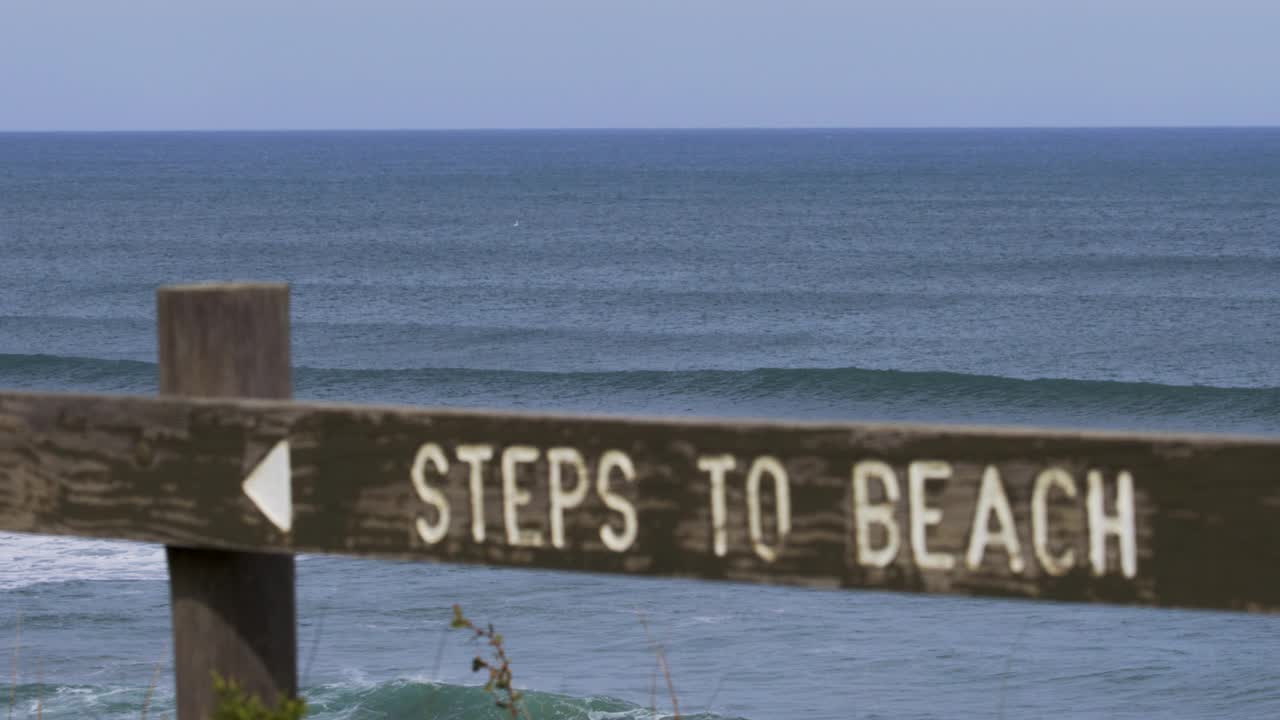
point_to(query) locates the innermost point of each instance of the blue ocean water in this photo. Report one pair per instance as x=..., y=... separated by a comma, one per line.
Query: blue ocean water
x=1083, y=278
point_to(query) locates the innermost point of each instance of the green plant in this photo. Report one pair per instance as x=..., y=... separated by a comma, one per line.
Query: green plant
x=499, y=665
x=236, y=704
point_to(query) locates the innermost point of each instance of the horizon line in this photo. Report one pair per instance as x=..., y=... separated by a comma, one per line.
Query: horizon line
x=638, y=128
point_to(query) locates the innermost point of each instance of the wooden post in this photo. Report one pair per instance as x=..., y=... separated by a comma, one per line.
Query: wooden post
x=233, y=612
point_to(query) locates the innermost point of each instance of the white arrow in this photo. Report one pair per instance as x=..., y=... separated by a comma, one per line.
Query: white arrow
x=269, y=486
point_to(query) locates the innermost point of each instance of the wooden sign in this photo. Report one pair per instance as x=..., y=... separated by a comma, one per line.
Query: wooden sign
x=1162, y=520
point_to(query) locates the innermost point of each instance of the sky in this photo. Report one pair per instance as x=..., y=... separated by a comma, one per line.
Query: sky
x=388, y=64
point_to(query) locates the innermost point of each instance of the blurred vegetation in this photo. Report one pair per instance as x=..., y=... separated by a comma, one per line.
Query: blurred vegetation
x=498, y=665
x=236, y=704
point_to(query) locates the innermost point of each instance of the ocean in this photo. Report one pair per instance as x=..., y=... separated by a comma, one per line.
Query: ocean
x=1106, y=278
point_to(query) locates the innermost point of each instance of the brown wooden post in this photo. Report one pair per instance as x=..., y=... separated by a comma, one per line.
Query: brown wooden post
x=233, y=612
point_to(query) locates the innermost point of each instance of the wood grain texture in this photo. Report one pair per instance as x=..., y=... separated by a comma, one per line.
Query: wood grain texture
x=1206, y=510
x=233, y=612
x=224, y=340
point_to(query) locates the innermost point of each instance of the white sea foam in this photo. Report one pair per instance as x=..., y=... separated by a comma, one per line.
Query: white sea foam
x=31, y=559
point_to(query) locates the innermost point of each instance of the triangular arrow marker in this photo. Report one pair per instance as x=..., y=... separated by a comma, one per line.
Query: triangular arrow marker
x=270, y=486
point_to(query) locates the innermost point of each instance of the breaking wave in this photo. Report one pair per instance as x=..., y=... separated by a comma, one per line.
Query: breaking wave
x=832, y=393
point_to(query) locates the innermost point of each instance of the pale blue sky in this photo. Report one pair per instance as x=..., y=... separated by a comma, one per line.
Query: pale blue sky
x=174, y=64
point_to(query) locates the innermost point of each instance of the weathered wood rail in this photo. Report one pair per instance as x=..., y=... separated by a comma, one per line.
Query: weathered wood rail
x=1159, y=520
x=1153, y=520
